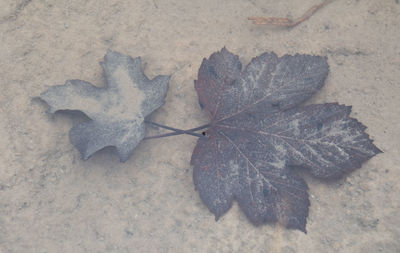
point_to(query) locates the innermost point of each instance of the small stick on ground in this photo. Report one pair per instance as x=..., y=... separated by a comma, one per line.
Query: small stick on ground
x=286, y=22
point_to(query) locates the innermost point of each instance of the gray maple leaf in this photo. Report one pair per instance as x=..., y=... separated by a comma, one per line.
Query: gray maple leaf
x=117, y=111
x=260, y=134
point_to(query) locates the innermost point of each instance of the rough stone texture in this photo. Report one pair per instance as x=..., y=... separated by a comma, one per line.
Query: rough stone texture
x=52, y=201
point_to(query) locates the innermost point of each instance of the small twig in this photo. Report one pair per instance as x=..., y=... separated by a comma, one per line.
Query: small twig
x=286, y=22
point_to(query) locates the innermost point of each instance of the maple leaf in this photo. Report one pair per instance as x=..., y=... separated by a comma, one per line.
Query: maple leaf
x=117, y=111
x=258, y=136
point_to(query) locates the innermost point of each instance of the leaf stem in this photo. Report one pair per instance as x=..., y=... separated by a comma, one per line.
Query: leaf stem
x=199, y=128
x=176, y=131
x=172, y=134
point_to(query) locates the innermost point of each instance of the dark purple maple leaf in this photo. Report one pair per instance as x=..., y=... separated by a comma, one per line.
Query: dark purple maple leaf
x=259, y=135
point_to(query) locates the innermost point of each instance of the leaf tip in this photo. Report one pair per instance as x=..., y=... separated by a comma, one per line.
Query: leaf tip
x=123, y=154
x=295, y=223
x=85, y=157
x=225, y=50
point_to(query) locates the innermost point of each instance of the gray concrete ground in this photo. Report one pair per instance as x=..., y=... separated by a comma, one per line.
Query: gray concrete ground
x=52, y=201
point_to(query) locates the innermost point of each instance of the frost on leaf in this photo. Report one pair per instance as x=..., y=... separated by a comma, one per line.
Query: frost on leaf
x=259, y=136
x=117, y=111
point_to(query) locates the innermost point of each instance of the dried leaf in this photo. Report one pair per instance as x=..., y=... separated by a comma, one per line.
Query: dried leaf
x=259, y=136
x=117, y=111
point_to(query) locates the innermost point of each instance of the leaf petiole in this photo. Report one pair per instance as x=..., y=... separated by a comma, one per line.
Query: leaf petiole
x=176, y=131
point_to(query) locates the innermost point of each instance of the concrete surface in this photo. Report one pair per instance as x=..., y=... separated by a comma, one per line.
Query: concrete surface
x=52, y=201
